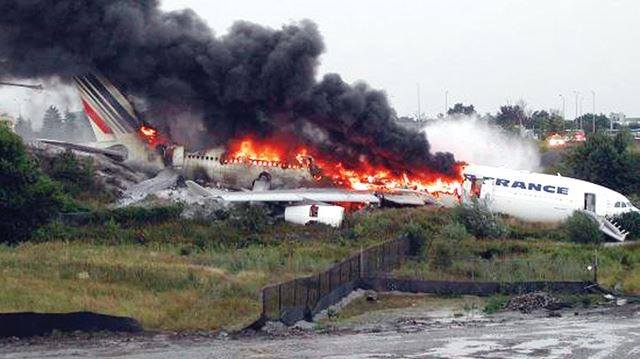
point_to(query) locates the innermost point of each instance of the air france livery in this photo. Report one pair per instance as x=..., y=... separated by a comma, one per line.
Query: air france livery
x=540, y=197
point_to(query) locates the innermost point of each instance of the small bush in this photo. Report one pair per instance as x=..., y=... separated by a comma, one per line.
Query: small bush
x=443, y=254
x=480, y=222
x=129, y=216
x=629, y=221
x=417, y=239
x=456, y=232
x=582, y=228
x=494, y=304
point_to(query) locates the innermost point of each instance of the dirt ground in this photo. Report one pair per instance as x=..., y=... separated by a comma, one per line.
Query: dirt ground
x=423, y=330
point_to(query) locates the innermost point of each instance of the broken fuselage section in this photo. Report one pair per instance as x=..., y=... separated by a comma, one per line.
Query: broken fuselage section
x=217, y=167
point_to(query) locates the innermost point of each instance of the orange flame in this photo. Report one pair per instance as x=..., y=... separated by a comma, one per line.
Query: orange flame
x=364, y=177
x=150, y=135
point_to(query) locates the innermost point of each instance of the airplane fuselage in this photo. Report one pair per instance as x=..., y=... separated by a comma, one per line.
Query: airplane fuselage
x=540, y=197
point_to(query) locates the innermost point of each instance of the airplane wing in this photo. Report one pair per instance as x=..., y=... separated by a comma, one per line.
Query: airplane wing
x=164, y=179
x=294, y=195
x=116, y=155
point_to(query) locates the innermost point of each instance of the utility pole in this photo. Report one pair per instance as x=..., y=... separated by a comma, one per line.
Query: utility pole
x=563, y=107
x=446, y=102
x=593, y=117
x=419, y=113
x=577, y=94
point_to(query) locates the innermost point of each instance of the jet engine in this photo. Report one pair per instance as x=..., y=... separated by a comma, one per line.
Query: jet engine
x=315, y=213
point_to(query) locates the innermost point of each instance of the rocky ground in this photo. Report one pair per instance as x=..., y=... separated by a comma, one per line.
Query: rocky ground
x=607, y=331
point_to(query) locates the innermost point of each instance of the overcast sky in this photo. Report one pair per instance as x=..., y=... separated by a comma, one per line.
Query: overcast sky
x=487, y=53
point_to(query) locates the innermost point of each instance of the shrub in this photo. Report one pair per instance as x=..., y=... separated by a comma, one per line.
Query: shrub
x=417, y=239
x=28, y=197
x=480, y=222
x=250, y=218
x=443, y=254
x=582, y=228
x=455, y=232
x=130, y=216
x=629, y=221
x=75, y=175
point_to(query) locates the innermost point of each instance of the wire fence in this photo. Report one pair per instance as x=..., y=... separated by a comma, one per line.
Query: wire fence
x=394, y=265
x=304, y=297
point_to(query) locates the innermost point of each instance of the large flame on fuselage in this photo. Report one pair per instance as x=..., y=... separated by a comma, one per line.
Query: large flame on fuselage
x=361, y=176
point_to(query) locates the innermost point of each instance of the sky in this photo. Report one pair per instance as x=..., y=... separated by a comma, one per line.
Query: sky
x=487, y=53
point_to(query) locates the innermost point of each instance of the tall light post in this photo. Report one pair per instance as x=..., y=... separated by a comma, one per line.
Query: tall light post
x=419, y=113
x=563, y=106
x=576, y=119
x=446, y=102
x=593, y=116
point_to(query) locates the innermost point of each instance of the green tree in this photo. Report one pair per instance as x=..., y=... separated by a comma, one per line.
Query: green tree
x=28, y=198
x=601, y=120
x=52, y=124
x=606, y=161
x=461, y=109
x=546, y=123
x=509, y=117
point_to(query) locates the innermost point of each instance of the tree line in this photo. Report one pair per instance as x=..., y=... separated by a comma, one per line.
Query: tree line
x=542, y=122
x=67, y=126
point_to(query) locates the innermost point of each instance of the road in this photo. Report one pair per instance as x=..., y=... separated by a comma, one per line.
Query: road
x=612, y=332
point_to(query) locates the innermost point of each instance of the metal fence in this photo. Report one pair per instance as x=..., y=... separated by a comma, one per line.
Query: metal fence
x=303, y=297
x=393, y=266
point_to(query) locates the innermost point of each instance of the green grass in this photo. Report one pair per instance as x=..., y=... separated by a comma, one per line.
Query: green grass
x=180, y=275
x=188, y=275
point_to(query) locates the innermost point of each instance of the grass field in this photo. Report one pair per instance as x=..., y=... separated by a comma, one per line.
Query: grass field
x=187, y=275
x=181, y=275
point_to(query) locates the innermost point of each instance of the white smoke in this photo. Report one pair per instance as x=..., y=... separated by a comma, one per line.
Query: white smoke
x=32, y=104
x=476, y=141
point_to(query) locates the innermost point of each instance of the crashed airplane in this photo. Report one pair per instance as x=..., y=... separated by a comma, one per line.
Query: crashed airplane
x=261, y=172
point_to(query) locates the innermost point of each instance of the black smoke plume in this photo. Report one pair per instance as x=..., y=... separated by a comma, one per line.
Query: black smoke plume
x=253, y=79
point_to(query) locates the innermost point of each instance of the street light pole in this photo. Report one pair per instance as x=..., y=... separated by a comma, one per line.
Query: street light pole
x=563, y=105
x=577, y=94
x=446, y=102
x=419, y=113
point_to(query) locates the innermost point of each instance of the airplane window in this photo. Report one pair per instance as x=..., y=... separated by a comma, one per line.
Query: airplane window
x=618, y=204
x=623, y=205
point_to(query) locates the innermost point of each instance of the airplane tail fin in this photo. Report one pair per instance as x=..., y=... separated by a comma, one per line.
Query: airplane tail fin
x=110, y=114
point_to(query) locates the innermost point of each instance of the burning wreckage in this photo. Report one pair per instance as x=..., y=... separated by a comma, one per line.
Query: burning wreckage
x=315, y=187
x=252, y=98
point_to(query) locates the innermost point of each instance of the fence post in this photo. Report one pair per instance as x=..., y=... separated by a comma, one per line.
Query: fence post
x=279, y=300
x=361, y=264
x=295, y=291
x=264, y=305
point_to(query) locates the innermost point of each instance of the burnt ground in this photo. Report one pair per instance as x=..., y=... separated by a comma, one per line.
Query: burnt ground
x=609, y=331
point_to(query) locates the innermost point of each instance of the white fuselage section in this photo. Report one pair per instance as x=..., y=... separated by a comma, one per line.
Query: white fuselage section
x=540, y=197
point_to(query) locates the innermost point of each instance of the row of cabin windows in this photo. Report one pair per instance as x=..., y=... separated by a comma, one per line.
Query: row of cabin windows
x=623, y=204
x=206, y=158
